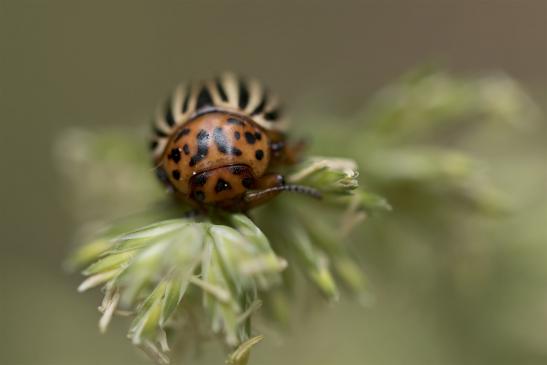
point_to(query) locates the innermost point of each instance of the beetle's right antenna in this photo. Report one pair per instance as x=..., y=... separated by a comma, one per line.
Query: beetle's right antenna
x=306, y=190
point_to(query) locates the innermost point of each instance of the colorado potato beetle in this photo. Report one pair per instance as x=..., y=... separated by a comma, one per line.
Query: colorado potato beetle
x=218, y=142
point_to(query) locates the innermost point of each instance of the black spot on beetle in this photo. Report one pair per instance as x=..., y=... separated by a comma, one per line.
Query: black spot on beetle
x=181, y=133
x=247, y=182
x=237, y=135
x=223, y=145
x=250, y=137
x=174, y=155
x=199, y=195
x=176, y=174
x=186, y=149
x=258, y=136
x=153, y=145
x=203, y=147
x=220, y=140
x=259, y=154
x=201, y=179
x=202, y=136
x=222, y=185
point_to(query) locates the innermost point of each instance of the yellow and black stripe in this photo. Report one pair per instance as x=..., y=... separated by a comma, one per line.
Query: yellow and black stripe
x=225, y=93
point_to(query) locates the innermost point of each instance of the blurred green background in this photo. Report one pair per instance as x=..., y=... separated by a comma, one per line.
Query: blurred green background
x=453, y=284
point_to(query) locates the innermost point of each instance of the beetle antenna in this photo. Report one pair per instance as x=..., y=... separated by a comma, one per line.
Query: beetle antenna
x=301, y=189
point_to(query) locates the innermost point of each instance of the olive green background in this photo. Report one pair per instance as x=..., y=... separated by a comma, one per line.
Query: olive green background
x=103, y=63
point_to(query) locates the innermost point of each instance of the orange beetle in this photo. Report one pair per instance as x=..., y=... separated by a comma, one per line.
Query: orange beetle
x=215, y=143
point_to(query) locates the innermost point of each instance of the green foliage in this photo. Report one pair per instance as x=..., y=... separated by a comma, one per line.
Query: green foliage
x=409, y=131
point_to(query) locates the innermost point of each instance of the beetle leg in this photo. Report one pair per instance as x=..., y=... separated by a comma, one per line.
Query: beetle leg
x=263, y=191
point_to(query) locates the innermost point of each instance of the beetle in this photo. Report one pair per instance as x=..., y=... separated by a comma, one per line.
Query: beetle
x=217, y=143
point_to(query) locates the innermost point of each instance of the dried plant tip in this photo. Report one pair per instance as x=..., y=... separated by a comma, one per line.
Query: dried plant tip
x=97, y=279
x=108, y=310
x=154, y=353
x=241, y=355
x=162, y=339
